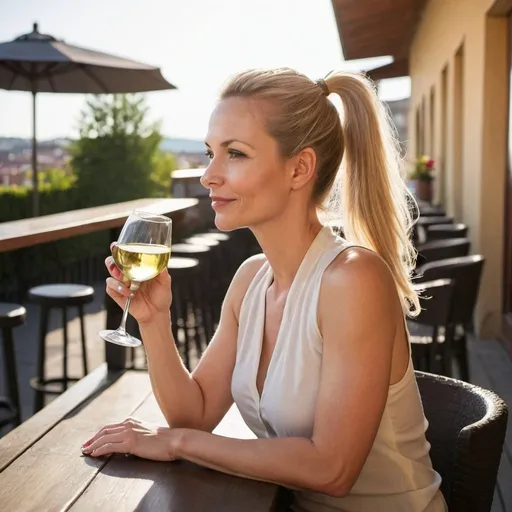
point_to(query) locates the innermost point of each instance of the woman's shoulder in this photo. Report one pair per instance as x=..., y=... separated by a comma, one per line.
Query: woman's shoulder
x=356, y=287
x=357, y=266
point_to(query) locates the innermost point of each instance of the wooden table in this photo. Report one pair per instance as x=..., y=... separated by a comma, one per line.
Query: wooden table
x=48, y=228
x=42, y=468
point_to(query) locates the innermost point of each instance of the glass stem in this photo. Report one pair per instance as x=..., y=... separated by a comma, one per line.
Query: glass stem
x=122, y=327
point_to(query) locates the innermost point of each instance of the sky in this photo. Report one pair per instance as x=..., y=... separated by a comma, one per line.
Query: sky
x=197, y=44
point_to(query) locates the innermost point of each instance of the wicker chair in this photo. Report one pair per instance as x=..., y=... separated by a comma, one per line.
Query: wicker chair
x=466, y=431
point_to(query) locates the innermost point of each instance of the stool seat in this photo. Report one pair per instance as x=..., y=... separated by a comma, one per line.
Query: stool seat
x=11, y=315
x=62, y=294
x=189, y=248
x=176, y=262
x=202, y=240
x=220, y=237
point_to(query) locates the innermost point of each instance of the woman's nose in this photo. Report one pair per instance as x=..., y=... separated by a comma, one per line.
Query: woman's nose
x=211, y=175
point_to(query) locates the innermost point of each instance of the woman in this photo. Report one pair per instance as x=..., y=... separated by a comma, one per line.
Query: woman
x=312, y=344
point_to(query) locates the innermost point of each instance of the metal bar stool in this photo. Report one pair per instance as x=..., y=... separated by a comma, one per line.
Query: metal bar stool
x=58, y=296
x=205, y=270
x=229, y=266
x=216, y=276
x=11, y=316
x=186, y=311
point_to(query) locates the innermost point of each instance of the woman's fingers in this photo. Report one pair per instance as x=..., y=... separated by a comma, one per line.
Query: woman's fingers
x=119, y=287
x=106, y=439
x=114, y=271
x=112, y=268
x=118, y=298
x=109, y=448
x=106, y=430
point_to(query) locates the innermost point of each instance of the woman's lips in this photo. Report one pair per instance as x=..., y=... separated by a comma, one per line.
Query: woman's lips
x=220, y=202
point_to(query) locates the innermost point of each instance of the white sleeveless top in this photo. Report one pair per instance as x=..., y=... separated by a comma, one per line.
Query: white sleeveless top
x=397, y=475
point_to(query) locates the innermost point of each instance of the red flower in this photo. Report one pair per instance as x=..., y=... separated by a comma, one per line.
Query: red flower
x=430, y=164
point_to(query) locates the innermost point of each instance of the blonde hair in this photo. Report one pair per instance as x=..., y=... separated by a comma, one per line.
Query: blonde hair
x=374, y=196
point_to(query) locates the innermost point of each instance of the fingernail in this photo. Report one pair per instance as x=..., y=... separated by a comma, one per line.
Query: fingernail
x=86, y=450
x=132, y=295
x=119, y=288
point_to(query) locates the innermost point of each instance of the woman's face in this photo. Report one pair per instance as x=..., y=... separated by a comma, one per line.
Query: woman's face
x=250, y=183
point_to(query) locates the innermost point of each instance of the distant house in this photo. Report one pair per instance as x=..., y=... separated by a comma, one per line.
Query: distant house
x=16, y=160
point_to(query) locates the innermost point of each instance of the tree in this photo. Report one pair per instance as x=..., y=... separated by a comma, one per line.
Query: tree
x=56, y=178
x=163, y=166
x=116, y=155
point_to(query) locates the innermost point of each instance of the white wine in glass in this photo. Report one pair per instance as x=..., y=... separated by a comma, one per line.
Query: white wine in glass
x=141, y=253
x=141, y=262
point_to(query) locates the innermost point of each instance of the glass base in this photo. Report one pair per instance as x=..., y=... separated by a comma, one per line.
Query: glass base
x=120, y=338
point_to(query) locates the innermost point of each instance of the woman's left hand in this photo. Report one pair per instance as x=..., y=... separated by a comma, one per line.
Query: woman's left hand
x=131, y=437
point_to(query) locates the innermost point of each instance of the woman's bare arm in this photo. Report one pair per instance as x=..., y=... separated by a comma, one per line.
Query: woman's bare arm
x=199, y=399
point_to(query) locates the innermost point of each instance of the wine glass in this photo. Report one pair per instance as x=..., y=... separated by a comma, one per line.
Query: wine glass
x=141, y=253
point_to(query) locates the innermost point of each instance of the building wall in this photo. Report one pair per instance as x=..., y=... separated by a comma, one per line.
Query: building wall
x=399, y=111
x=459, y=59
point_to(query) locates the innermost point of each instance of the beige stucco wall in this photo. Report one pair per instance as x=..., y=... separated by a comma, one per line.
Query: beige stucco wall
x=472, y=170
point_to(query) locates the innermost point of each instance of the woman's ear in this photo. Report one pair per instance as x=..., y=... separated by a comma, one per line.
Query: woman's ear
x=302, y=168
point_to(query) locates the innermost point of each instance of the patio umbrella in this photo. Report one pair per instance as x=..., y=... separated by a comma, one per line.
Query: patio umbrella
x=38, y=62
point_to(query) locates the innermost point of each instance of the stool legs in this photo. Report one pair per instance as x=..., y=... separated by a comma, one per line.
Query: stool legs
x=41, y=381
x=84, y=346
x=65, y=358
x=200, y=319
x=41, y=358
x=12, y=378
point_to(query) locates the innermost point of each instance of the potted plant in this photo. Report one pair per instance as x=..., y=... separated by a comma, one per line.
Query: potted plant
x=423, y=175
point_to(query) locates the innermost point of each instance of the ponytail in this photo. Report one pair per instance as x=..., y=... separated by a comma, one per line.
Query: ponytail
x=374, y=195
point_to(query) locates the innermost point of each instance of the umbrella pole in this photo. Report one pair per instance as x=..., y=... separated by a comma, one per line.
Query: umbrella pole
x=35, y=180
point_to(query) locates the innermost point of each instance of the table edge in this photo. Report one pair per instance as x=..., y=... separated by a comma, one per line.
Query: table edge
x=38, y=425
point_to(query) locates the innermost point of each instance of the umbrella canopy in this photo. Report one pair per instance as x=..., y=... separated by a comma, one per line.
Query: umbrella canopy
x=38, y=62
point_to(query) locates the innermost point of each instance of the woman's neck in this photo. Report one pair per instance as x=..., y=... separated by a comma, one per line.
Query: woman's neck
x=285, y=242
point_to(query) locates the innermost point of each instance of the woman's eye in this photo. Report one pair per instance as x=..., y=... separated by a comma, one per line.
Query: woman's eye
x=209, y=154
x=233, y=153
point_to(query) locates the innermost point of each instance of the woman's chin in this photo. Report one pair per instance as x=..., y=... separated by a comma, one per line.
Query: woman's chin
x=224, y=223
